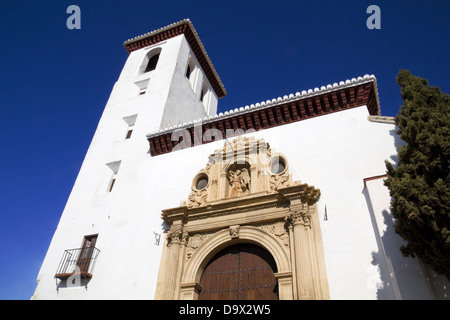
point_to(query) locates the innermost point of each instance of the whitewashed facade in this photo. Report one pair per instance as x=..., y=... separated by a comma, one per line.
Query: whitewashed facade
x=124, y=185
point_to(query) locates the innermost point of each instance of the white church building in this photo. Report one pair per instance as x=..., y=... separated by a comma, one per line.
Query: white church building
x=282, y=199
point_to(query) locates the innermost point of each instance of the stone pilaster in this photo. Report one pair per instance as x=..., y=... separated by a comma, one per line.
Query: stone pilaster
x=300, y=219
x=175, y=243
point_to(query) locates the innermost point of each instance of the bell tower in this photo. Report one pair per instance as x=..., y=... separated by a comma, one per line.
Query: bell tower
x=168, y=77
x=167, y=80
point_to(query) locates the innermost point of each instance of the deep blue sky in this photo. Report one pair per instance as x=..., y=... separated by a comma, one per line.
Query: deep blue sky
x=55, y=82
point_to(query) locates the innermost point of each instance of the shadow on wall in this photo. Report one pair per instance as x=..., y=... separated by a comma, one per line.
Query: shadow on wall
x=397, y=143
x=380, y=273
x=395, y=276
x=438, y=285
x=74, y=281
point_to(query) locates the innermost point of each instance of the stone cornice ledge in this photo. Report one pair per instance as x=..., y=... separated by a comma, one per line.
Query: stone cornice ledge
x=382, y=119
x=245, y=209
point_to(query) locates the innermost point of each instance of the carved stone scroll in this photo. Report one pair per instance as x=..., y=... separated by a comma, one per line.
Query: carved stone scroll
x=277, y=181
x=279, y=230
x=197, y=198
x=194, y=242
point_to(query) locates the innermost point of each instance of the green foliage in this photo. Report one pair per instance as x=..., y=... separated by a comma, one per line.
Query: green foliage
x=420, y=184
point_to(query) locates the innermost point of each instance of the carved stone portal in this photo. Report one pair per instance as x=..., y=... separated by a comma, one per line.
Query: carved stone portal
x=245, y=193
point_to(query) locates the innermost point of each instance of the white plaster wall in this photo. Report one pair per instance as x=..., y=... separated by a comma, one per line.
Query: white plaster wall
x=333, y=152
x=183, y=103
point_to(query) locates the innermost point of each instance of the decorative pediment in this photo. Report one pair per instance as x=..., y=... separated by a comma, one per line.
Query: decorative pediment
x=244, y=167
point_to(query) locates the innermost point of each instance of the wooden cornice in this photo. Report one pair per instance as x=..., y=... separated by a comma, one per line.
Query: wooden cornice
x=271, y=116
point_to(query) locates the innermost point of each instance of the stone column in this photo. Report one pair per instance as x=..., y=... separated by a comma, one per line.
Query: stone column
x=300, y=218
x=292, y=255
x=171, y=272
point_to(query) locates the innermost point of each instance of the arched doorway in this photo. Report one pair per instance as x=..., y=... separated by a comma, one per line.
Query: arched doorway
x=240, y=272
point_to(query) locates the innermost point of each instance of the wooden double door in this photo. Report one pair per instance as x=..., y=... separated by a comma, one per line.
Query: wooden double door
x=240, y=272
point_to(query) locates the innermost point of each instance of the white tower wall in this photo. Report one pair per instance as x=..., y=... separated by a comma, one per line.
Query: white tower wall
x=125, y=217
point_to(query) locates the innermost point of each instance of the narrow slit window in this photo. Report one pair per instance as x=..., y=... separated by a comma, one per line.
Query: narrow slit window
x=112, y=184
x=191, y=71
x=130, y=121
x=114, y=166
x=188, y=71
x=203, y=93
x=130, y=131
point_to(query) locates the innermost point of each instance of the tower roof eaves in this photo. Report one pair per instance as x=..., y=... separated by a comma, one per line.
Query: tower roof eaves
x=185, y=27
x=375, y=110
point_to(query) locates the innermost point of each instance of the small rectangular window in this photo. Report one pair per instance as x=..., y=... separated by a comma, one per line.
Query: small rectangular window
x=202, y=95
x=191, y=73
x=142, y=85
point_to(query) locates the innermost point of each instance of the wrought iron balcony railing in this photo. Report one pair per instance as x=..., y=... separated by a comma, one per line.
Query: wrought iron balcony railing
x=79, y=261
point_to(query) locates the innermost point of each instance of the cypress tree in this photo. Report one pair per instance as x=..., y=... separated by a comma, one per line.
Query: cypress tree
x=420, y=183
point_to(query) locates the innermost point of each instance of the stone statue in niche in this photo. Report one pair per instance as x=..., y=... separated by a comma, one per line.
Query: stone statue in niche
x=239, y=181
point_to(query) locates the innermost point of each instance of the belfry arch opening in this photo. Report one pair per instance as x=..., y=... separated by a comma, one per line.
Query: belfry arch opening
x=150, y=61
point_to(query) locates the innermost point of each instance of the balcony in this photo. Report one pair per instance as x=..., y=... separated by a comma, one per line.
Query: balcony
x=79, y=262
